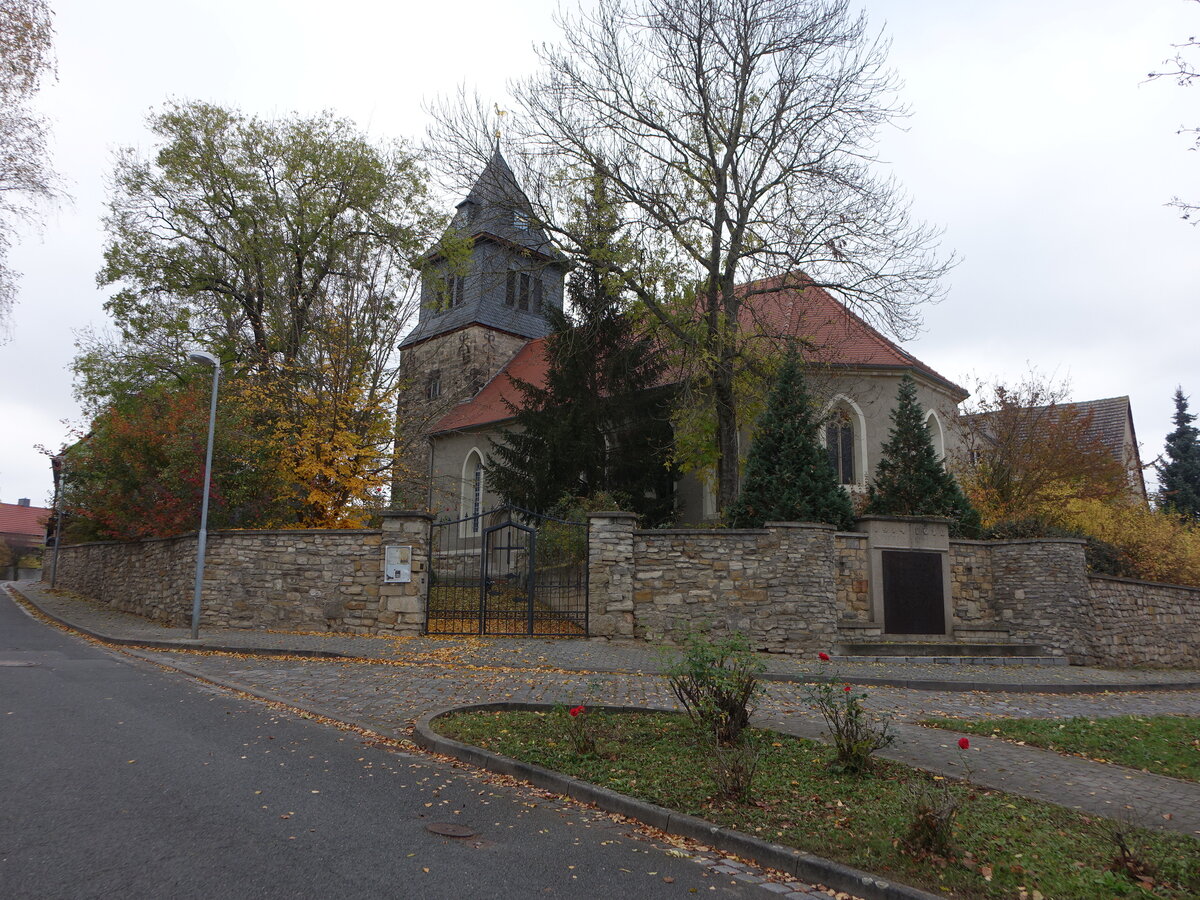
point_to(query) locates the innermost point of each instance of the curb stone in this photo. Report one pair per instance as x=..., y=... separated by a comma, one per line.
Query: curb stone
x=779, y=677
x=813, y=869
x=794, y=862
x=171, y=645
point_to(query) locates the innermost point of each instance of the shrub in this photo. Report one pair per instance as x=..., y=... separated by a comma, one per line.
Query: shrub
x=734, y=767
x=716, y=681
x=855, y=735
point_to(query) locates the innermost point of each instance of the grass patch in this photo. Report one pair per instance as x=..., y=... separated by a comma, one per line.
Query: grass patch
x=1164, y=745
x=1003, y=845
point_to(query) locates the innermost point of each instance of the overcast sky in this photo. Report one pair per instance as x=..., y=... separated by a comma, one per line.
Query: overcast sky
x=1033, y=141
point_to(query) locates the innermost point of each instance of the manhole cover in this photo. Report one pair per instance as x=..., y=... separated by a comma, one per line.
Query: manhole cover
x=450, y=829
x=15, y=662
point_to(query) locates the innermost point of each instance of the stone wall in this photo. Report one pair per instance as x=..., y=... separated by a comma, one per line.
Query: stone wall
x=297, y=579
x=1138, y=623
x=971, y=586
x=773, y=585
x=787, y=587
x=851, y=580
x=1040, y=592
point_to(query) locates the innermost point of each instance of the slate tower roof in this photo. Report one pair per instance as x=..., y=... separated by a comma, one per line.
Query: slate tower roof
x=513, y=274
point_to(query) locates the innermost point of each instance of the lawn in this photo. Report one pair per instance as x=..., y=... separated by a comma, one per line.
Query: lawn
x=1003, y=846
x=1164, y=745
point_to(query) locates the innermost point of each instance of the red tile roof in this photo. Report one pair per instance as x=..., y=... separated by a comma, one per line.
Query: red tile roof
x=835, y=335
x=29, y=520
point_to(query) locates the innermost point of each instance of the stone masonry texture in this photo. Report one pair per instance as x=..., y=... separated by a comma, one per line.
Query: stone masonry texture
x=788, y=587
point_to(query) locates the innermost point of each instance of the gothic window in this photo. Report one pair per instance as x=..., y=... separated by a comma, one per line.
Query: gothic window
x=538, y=292
x=472, y=494
x=433, y=385
x=839, y=444
x=510, y=289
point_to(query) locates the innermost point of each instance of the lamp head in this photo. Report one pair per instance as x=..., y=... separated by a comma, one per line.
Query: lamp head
x=202, y=356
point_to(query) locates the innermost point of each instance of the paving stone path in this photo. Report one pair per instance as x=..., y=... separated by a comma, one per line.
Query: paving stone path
x=396, y=680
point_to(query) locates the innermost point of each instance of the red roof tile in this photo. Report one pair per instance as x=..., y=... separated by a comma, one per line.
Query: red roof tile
x=837, y=337
x=16, y=519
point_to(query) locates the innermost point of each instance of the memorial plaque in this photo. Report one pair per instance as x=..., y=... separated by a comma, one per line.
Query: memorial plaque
x=913, y=599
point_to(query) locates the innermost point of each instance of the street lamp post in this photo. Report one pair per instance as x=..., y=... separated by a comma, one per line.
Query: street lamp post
x=201, y=356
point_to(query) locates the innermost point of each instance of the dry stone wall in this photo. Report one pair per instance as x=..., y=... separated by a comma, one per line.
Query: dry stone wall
x=297, y=579
x=971, y=585
x=1137, y=623
x=787, y=587
x=852, y=579
x=773, y=585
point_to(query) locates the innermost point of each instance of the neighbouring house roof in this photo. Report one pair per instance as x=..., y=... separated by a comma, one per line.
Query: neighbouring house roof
x=23, y=521
x=836, y=337
x=1110, y=422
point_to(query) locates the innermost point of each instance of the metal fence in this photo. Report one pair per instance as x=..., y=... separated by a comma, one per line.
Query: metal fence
x=508, y=572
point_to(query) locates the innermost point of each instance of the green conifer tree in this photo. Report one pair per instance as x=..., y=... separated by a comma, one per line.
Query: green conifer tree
x=910, y=480
x=600, y=424
x=1179, y=473
x=788, y=477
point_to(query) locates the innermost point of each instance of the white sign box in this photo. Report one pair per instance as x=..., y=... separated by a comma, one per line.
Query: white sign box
x=397, y=565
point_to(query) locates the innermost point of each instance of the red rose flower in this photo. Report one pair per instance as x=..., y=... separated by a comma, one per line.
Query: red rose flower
x=575, y=711
x=964, y=743
x=823, y=656
x=846, y=688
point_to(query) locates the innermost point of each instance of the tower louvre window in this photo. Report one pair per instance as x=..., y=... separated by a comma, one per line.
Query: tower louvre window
x=523, y=297
x=454, y=290
x=538, y=295
x=510, y=289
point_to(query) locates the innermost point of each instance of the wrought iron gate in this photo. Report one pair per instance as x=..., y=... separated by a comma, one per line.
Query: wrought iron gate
x=508, y=572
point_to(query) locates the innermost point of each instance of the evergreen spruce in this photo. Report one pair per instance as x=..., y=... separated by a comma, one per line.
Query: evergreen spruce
x=1179, y=474
x=600, y=424
x=788, y=477
x=910, y=480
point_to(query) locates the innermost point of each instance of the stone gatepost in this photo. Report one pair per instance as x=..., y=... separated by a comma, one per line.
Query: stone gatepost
x=402, y=604
x=610, y=574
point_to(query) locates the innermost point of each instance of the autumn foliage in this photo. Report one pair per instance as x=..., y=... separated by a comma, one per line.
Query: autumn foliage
x=1027, y=453
x=1154, y=545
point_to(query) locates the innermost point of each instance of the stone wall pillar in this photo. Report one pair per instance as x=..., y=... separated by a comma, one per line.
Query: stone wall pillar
x=402, y=606
x=1042, y=595
x=610, y=574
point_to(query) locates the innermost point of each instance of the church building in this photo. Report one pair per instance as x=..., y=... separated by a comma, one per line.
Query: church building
x=482, y=324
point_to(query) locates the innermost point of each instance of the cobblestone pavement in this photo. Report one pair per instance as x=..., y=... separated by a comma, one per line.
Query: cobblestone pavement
x=403, y=679
x=580, y=655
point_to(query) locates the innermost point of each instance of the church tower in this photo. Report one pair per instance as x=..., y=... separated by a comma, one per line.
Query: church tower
x=477, y=311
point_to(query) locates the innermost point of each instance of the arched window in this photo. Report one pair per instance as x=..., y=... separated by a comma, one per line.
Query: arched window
x=839, y=444
x=936, y=434
x=844, y=435
x=472, y=494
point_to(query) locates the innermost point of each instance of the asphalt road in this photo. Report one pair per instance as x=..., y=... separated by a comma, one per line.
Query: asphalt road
x=120, y=779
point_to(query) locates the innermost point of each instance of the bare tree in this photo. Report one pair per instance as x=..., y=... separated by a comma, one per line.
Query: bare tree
x=26, y=181
x=1182, y=70
x=736, y=138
